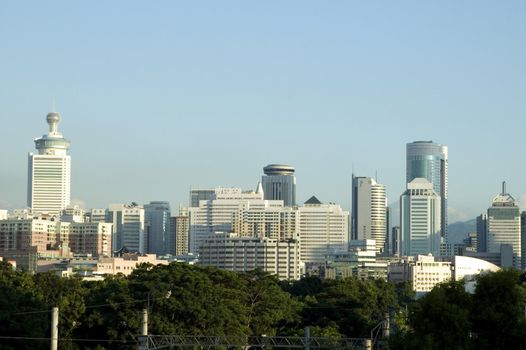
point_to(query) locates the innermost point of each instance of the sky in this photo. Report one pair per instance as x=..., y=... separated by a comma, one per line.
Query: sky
x=159, y=97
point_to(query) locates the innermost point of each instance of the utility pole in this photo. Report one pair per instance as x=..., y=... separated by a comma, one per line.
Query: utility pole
x=143, y=338
x=54, y=328
x=307, y=338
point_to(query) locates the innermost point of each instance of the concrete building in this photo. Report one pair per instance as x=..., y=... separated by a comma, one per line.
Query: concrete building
x=72, y=213
x=323, y=229
x=49, y=171
x=44, y=235
x=197, y=195
x=230, y=252
x=361, y=261
x=128, y=227
x=429, y=160
x=396, y=237
x=217, y=214
x=420, y=219
x=482, y=233
x=180, y=226
x=90, y=238
x=369, y=212
x=125, y=264
x=504, y=225
x=279, y=183
x=157, y=222
x=422, y=271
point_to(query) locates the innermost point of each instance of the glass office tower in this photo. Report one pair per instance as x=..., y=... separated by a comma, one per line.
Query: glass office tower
x=429, y=160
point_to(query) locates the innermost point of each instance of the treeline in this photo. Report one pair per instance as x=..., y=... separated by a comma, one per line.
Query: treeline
x=192, y=300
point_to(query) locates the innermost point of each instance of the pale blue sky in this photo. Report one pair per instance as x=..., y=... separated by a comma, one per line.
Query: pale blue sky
x=160, y=96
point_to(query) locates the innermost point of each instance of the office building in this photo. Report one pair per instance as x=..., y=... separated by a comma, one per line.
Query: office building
x=323, y=229
x=157, y=221
x=369, y=212
x=482, y=234
x=217, y=214
x=420, y=219
x=396, y=237
x=49, y=171
x=228, y=251
x=279, y=183
x=504, y=226
x=429, y=160
x=128, y=227
x=197, y=195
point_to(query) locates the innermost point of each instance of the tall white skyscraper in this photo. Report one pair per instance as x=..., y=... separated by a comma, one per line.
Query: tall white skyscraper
x=369, y=211
x=420, y=219
x=49, y=171
x=429, y=160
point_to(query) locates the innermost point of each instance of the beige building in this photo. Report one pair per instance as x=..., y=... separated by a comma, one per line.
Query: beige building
x=125, y=264
x=45, y=234
x=228, y=251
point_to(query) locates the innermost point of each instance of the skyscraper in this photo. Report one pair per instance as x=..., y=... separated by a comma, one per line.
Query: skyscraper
x=369, y=211
x=429, y=160
x=504, y=226
x=279, y=183
x=420, y=219
x=128, y=227
x=157, y=221
x=49, y=171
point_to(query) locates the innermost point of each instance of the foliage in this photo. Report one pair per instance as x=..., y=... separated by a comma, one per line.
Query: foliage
x=191, y=300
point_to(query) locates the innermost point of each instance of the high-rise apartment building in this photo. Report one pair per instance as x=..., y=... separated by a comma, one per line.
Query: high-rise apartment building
x=49, y=171
x=420, y=219
x=369, y=211
x=157, y=221
x=279, y=183
x=429, y=160
x=504, y=226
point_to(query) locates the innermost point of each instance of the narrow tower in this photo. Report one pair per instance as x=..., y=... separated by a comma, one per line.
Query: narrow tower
x=49, y=171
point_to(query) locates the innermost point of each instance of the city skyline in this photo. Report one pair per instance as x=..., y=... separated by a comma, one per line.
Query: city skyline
x=321, y=88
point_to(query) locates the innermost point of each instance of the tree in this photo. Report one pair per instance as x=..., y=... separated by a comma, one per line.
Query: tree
x=498, y=311
x=440, y=319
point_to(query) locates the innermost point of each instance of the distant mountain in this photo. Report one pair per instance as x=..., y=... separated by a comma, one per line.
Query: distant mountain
x=459, y=230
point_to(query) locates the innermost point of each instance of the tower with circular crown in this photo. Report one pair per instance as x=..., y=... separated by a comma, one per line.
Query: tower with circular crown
x=49, y=171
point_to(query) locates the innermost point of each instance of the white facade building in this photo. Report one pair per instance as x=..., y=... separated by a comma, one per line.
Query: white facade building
x=217, y=214
x=128, y=227
x=230, y=252
x=49, y=171
x=420, y=219
x=369, y=211
x=323, y=229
